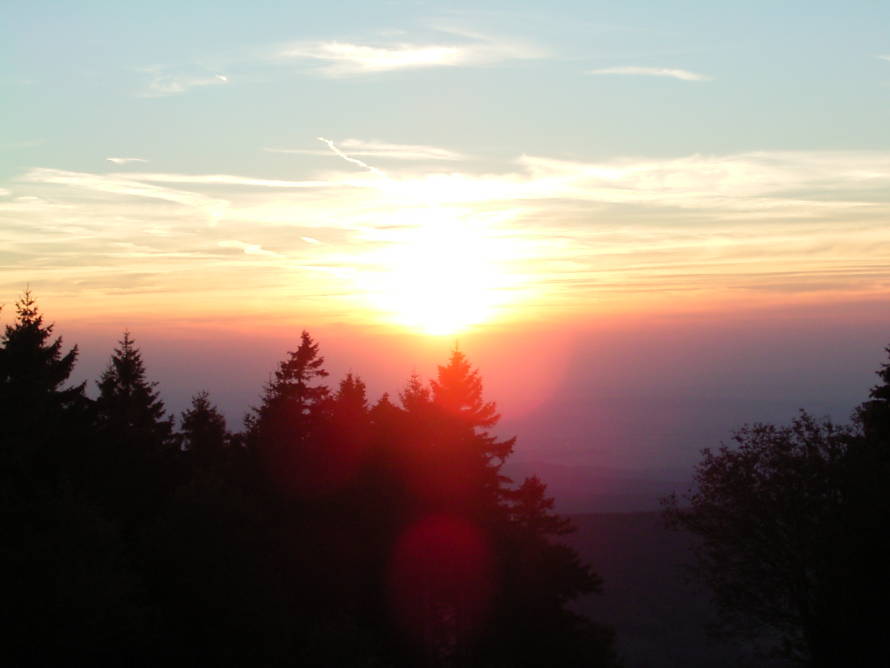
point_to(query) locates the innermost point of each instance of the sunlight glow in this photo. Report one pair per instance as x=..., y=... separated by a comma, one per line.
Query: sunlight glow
x=443, y=276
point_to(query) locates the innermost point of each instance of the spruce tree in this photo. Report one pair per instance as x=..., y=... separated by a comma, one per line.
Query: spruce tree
x=43, y=424
x=131, y=413
x=465, y=419
x=350, y=421
x=33, y=369
x=874, y=414
x=203, y=431
x=285, y=428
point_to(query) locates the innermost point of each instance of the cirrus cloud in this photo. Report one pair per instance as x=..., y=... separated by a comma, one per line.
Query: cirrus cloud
x=343, y=58
x=667, y=72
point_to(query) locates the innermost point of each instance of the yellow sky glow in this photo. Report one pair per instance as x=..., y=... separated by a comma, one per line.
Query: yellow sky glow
x=442, y=251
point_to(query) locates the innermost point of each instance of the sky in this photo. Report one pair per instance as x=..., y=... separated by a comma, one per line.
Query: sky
x=608, y=205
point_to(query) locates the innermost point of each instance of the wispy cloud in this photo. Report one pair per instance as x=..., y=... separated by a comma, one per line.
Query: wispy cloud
x=249, y=249
x=224, y=180
x=573, y=232
x=884, y=57
x=165, y=81
x=668, y=72
x=355, y=161
x=341, y=58
x=378, y=149
x=125, y=186
x=125, y=161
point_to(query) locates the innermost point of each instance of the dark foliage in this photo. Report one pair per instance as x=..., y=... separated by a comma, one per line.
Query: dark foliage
x=130, y=411
x=331, y=532
x=794, y=528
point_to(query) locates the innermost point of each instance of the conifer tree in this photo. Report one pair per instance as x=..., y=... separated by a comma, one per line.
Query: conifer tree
x=874, y=414
x=532, y=510
x=350, y=417
x=351, y=402
x=465, y=420
x=203, y=430
x=33, y=369
x=286, y=425
x=43, y=424
x=416, y=396
x=131, y=412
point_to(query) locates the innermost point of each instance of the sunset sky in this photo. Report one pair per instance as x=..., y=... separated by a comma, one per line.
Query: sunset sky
x=703, y=183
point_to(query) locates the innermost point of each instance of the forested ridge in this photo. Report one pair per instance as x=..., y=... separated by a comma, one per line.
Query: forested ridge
x=330, y=530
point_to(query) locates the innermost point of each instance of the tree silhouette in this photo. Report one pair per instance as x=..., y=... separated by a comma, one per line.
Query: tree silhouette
x=331, y=533
x=203, y=430
x=532, y=510
x=284, y=430
x=464, y=419
x=130, y=410
x=34, y=405
x=67, y=589
x=874, y=414
x=793, y=524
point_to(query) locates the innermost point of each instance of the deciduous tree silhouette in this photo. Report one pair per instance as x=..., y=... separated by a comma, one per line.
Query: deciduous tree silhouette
x=793, y=524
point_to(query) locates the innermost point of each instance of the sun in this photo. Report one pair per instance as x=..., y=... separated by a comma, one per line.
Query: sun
x=441, y=277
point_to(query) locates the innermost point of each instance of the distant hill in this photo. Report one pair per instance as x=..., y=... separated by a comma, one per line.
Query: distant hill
x=660, y=618
x=586, y=489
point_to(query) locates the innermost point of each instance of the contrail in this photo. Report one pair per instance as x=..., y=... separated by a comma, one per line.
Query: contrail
x=354, y=161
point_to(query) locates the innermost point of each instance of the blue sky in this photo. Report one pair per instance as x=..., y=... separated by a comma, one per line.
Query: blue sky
x=796, y=75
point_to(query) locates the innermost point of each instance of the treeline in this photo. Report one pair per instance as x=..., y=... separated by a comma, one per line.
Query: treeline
x=329, y=531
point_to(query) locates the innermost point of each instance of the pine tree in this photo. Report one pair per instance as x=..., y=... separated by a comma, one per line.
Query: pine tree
x=131, y=412
x=32, y=371
x=415, y=398
x=285, y=428
x=203, y=431
x=874, y=415
x=43, y=424
x=532, y=510
x=465, y=419
x=351, y=402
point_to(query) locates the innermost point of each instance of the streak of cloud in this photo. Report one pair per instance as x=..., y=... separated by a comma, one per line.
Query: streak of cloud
x=668, y=72
x=125, y=161
x=164, y=82
x=378, y=149
x=125, y=186
x=227, y=180
x=355, y=161
x=249, y=249
x=347, y=58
